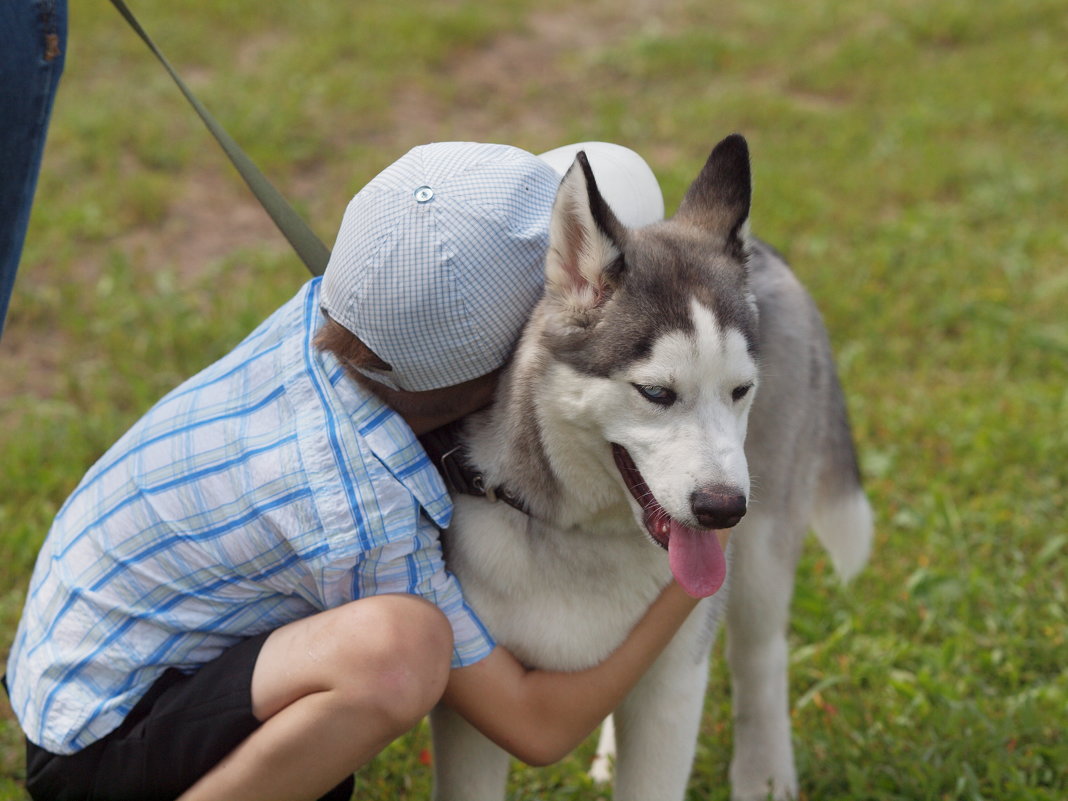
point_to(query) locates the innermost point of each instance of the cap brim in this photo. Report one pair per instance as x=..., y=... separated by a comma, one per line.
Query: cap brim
x=626, y=182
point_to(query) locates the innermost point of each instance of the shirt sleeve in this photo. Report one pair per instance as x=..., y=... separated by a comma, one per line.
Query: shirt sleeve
x=472, y=642
x=412, y=565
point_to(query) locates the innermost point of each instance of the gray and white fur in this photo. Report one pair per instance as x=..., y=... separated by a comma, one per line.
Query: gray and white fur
x=692, y=347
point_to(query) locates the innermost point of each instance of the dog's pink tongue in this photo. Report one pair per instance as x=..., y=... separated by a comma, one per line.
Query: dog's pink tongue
x=696, y=560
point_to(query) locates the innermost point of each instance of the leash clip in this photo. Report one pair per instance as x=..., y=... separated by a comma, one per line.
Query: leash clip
x=479, y=483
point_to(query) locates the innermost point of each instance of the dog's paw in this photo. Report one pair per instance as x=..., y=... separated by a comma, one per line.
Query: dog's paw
x=601, y=769
x=783, y=789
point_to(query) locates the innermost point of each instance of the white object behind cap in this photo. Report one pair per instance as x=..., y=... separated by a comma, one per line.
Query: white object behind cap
x=624, y=179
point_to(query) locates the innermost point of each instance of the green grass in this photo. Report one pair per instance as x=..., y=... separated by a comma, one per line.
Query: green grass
x=910, y=158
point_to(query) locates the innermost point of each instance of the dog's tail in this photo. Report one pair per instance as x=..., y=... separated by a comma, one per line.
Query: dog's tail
x=842, y=517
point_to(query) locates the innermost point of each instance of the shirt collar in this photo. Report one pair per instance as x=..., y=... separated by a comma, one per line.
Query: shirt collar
x=391, y=440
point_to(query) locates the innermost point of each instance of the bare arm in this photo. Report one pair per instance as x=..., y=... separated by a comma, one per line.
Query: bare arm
x=539, y=716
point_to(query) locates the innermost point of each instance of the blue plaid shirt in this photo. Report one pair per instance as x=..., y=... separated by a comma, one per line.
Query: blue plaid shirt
x=266, y=488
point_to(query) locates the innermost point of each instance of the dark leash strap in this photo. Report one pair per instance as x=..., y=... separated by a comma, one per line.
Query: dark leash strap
x=308, y=246
x=444, y=445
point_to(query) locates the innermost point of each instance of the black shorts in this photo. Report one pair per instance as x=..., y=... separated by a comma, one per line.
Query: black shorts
x=183, y=726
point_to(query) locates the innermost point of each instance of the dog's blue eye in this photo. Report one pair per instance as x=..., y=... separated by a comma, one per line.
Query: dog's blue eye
x=740, y=392
x=656, y=393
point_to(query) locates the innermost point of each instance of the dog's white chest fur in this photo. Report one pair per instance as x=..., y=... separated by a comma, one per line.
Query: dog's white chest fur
x=552, y=601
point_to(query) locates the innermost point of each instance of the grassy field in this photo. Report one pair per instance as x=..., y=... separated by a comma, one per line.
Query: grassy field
x=910, y=158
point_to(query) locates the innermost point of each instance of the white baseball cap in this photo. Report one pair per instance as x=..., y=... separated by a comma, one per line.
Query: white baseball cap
x=440, y=258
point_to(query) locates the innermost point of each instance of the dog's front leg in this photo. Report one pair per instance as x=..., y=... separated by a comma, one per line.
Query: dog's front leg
x=657, y=723
x=467, y=765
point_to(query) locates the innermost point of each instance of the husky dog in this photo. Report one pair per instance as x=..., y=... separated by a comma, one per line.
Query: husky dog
x=619, y=429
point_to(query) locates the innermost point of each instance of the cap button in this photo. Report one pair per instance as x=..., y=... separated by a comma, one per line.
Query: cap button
x=423, y=194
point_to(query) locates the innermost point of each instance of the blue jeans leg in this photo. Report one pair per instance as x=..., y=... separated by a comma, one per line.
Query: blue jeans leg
x=33, y=44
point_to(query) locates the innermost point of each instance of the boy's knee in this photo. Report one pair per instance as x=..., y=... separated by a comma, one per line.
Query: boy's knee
x=418, y=636
x=406, y=653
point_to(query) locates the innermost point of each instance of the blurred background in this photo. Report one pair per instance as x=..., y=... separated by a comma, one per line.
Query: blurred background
x=910, y=159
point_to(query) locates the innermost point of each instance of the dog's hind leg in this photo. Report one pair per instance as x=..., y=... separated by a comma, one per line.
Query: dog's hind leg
x=762, y=581
x=467, y=765
x=605, y=758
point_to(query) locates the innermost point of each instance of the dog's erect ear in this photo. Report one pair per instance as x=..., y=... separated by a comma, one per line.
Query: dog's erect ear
x=586, y=240
x=718, y=200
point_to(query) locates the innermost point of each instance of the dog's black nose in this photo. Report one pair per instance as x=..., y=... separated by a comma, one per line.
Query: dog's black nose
x=717, y=507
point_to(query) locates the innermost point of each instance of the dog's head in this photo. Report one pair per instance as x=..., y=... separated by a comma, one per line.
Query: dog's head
x=660, y=324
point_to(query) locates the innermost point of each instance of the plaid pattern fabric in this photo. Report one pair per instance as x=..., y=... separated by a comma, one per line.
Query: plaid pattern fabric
x=264, y=489
x=440, y=259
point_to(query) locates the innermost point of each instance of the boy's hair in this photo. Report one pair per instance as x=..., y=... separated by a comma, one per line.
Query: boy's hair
x=333, y=337
x=353, y=354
